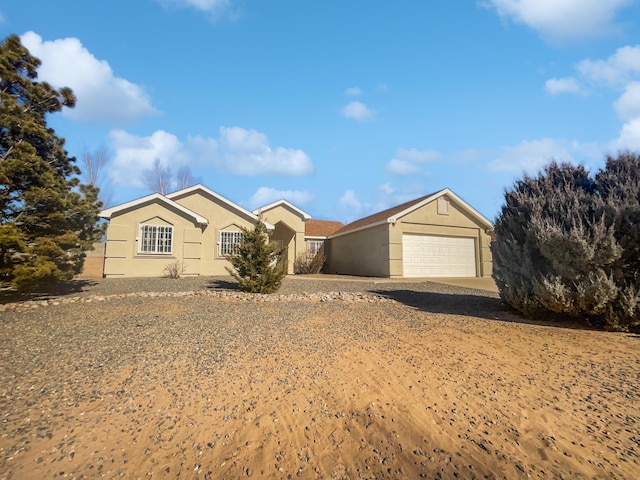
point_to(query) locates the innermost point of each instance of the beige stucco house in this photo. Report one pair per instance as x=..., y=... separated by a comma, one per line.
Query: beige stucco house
x=195, y=226
x=438, y=235
x=433, y=236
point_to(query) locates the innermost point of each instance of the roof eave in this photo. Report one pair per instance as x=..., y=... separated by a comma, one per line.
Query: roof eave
x=302, y=213
x=364, y=227
x=109, y=212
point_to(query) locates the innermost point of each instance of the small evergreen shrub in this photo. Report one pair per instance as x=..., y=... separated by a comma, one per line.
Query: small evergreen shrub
x=569, y=244
x=309, y=262
x=257, y=264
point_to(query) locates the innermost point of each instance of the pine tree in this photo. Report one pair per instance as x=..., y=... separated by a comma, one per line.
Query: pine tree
x=47, y=217
x=257, y=264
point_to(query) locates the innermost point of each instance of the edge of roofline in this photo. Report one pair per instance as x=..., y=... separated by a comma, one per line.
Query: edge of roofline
x=109, y=212
x=282, y=201
x=446, y=191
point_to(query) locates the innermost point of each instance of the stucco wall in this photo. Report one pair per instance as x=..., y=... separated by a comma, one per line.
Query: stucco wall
x=289, y=229
x=427, y=221
x=365, y=253
x=121, y=249
x=377, y=251
x=221, y=216
x=193, y=244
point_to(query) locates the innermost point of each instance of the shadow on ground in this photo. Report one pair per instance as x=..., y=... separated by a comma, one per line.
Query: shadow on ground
x=58, y=290
x=220, y=284
x=479, y=306
x=450, y=303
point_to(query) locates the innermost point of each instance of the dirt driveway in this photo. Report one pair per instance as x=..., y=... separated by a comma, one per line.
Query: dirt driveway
x=411, y=380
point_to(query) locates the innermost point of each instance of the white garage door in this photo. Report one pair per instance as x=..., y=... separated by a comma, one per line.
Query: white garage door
x=432, y=256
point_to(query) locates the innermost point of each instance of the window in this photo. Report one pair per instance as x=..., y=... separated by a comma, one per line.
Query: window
x=314, y=246
x=156, y=239
x=229, y=241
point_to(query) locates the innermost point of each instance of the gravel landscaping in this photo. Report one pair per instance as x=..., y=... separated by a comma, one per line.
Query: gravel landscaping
x=328, y=378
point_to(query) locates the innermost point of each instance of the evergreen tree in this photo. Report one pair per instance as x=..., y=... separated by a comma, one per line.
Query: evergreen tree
x=47, y=217
x=257, y=264
x=567, y=243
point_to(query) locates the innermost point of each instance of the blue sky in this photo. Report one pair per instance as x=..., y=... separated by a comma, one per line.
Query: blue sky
x=344, y=108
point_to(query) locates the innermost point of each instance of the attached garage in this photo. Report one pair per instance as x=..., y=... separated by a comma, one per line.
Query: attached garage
x=438, y=235
x=438, y=256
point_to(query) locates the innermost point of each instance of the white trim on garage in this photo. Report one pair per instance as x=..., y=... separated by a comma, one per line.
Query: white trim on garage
x=438, y=256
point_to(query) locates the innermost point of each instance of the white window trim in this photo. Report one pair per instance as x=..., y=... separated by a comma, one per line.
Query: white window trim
x=314, y=250
x=235, y=233
x=140, y=249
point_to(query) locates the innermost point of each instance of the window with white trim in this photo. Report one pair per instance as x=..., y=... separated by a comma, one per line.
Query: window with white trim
x=229, y=242
x=314, y=246
x=155, y=239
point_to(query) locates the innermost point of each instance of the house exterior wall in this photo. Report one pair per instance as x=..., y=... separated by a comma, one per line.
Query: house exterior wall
x=377, y=251
x=427, y=221
x=364, y=252
x=221, y=216
x=121, y=249
x=289, y=230
x=193, y=244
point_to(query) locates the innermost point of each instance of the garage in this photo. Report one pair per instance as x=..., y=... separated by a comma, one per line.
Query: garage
x=438, y=235
x=438, y=256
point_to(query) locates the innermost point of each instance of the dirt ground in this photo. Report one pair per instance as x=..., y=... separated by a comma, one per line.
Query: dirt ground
x=204, y=388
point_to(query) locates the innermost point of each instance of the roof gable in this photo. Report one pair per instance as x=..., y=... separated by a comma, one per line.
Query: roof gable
x=393, y=214
x=283, y=202
x=201, y=188
x=154, y=197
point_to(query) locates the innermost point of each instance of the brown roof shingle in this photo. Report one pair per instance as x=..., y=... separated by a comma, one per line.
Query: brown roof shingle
x=321, y=228
x=380, y=216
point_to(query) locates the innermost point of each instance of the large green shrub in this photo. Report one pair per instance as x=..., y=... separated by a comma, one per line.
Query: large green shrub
x=568, y=243
x=257, y=264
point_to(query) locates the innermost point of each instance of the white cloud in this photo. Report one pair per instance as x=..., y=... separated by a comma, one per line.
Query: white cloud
x=628, y=105
x=618, y=69
x=403, y=168
x=556, y=86
x=619, y=72
x=100, y=94
x=353, y=91
x=133, y=155
x=408, y=162
x=629, y=138
x=266, y=195
x=531, y=156
x=358, y=111
x=562, y=19
x=350, y=200
x=209, y=6
x=247, y=152
x=236, y=151
x=389, y=196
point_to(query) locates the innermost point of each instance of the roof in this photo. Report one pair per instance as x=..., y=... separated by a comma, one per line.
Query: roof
x=208, y=191
x=202, y=188
x=393, y=214
x=154, y=197
x=321, y=228
x=303, y=214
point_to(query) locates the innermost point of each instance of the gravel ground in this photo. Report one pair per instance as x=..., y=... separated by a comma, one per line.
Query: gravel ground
x=428, y=385
x=434, y=296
